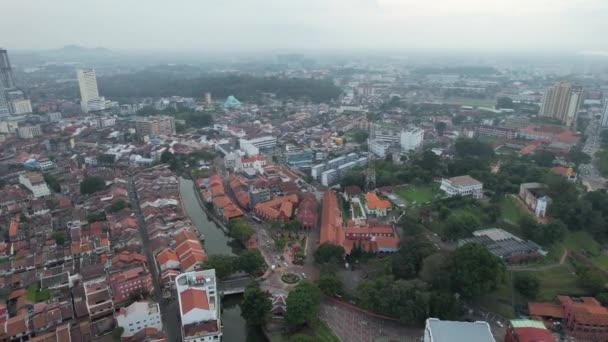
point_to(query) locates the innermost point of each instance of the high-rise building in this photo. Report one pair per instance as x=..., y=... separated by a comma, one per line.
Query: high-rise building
x=562, y=102
x=208, y=98
x=89, y=94
x=155, y=125
x=21, y=106
x=5, y=108
x=411, y=139
x=604, y=119
x=6, y=72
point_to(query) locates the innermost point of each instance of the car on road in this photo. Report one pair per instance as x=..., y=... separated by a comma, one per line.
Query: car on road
x=499, y=323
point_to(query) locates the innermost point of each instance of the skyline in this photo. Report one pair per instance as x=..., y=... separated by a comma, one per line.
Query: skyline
x=238, y=25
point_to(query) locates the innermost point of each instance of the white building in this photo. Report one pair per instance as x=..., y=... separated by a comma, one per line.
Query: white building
x=462, y=186
x=604, y=119
x=248, y=148
x=411, y=139
x=199, y=306
x=436, y=330
x=35, y=183
x=21, y=107
x=378, y=147
x=138, y=316
x=89, y=94
x=29, y=132
x=106, y=121
x=46, y=164
x=8, y=126
x=261, y=142
x=54, y=117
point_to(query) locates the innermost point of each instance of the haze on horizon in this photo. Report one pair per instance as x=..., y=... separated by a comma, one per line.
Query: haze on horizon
x=206, y=25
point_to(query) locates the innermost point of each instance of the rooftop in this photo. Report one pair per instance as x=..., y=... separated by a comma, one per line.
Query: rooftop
x=450, y=331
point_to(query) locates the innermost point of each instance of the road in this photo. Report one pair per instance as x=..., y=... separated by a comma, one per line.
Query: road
x=169, y=309
x=589, y=172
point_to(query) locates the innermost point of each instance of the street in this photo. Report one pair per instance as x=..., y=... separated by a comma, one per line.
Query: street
x=169, y=310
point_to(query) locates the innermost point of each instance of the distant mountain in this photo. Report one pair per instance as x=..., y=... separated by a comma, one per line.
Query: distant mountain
x=81, y=49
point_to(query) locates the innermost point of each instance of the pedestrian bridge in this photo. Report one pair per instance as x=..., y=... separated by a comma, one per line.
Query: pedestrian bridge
x=234, y=285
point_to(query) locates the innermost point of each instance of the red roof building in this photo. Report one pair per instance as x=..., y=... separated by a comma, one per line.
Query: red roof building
x=525, y=330
x=373, y=238
x=128, y=282
x=307, y=211
x=279, y=209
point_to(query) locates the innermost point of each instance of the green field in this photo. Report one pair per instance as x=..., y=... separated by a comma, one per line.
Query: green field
x=511, y=210
x=319, y=332
x=466, y=101
x=553, y=282
x=419, y=194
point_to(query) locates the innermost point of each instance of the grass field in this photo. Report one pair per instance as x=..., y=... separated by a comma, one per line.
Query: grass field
x=553, y=282
x=466, y=101
x=319, y=332
x=511, y=210
x=419, y=194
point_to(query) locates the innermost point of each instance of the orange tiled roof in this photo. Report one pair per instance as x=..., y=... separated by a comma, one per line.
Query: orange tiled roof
x=165, y=256
x=194, y=299
x=375, y=203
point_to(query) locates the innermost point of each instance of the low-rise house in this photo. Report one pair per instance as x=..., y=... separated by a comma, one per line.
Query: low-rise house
x=462, y=186
x=376, y=206
x=130, y=282
x=436, y=330
x=534, y=196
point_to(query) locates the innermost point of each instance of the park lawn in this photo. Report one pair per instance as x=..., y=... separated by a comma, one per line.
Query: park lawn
x=511, y=210
x=466, y=101
x=553, y=282
x=582, y=242
x=318, y=330
x=420, y=194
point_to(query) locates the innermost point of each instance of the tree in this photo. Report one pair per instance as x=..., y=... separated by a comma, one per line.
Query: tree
x=118, y=206
x=91, y=185
x=328, y=281
x=353, y=178
x=240, y=230
x=328, y=252
x=578, y=157
x=460, y=225
x=429, y=161
x=504, y=102
x=440, y=127
x=52, y=182
x=59, y=237
x=256, y=306
x=279, y=244
x=166, y=157
x=360, y=136
x=526, y=284
x=303, y=303
x=412, y=252
x=590, y=280
x=251, y=262
x=224, y=265
x=293, y=225
x=473, y=147
x=458, y=119
x=544, y=158
x=475, y=271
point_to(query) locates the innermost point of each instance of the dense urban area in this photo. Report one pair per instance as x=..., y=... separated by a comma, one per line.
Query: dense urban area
x=302, y=198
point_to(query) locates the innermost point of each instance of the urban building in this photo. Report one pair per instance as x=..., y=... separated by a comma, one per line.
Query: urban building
x=604, y=118
x=35, y=183
x=278, y=209
x=6, y=72
x=258, y=195
x=54, y=116
x=379, y=238
x=29, y=132
x=266, y=142
x=533, y=195
x=300, y=158
x=231, y=103
x=208, y=98
x=505, y=245
x=5, y=108
x=133, y=281
x=199, y=306
x=411, y=139
x=153, y=126
x=307, y=211
x=317, y=170
x=21, y=107
x=378, y=147
x=376, y=206
x=495, y=131
x=330, y=177
x=583, y=318
x=89, y=94
x=389, y=133
x=8, y=126
x=462, y=186
x=527, y=330
x=98, y=299
x=562, y=102
x=138, y=316
x=436, y=330
x=106, y=121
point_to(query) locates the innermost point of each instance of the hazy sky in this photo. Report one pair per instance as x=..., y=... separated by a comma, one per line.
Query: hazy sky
x=305, y=24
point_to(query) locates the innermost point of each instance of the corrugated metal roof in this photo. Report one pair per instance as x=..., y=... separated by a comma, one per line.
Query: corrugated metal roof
x=527, y=323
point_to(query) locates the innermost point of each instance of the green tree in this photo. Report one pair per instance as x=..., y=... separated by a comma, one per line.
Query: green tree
x=578, y=157
x=166, y=157
x=256, y=306
x=328, y=252
x=360, y=136
x=91, y=185
x=475, y=271
x=544, y=158
x=440, y=127
x=458, y=119
x=473, y=147
x=590, y=280
x=303, y=303
x=118, y=206
x=240, y=230
x=59, y=237
x=224, y=265
x=328, y=281
x=293, y=226
x=504, y=102
x=412, y=252
x=251, y=262
x=527, y=285
x=117, y=333
x=279, y=244
x=460, y=225
x=52, y=182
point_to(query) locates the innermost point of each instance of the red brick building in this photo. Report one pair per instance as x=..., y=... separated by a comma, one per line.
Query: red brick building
x=131, y=281
x=307, y=211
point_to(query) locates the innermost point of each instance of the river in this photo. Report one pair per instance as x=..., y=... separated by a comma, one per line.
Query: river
x=216, y=242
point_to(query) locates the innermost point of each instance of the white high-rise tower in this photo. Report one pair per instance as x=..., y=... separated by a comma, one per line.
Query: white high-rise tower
x=89, y=94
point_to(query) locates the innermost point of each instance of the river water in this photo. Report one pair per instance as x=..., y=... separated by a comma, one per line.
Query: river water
x=216, y=242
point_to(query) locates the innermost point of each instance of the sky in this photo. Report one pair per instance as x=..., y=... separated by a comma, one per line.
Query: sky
x=292, y=25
